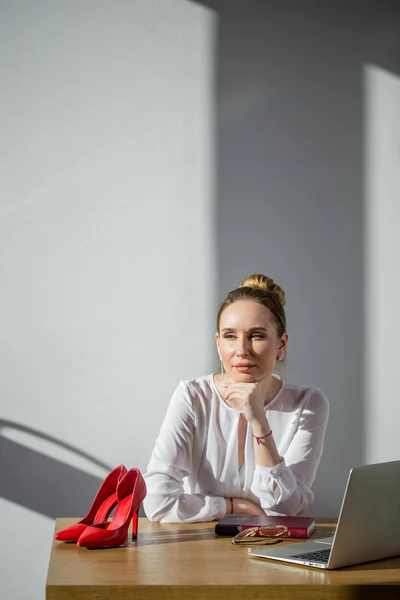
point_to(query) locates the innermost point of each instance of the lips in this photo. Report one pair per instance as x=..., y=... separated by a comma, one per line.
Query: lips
x=243, y=366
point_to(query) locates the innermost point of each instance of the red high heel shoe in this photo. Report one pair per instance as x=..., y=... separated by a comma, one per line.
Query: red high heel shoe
x=102, y=505
x=131, y=492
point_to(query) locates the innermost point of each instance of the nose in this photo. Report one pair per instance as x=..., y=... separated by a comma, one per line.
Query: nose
x=242, y=347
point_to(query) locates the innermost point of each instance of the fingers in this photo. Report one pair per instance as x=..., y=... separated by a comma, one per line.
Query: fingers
x=234, y=394
x=240, y=386
x=235, y=403
x=239, y=393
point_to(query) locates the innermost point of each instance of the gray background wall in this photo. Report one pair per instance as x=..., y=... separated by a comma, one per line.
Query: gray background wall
x=290, y=187
x=133, y=153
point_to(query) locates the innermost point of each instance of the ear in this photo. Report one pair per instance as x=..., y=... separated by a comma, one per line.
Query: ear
x=283, y=342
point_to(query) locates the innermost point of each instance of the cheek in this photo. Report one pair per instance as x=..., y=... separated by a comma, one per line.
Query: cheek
x=226, y=348
x=226, y=351
x=265, y=351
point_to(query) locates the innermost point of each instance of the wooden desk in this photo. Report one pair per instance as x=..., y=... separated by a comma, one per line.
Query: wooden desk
x=189, y=562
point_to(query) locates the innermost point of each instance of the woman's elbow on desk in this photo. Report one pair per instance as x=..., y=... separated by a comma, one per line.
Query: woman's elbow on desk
x=295, y=504
x=163, y=509
x=155, y=508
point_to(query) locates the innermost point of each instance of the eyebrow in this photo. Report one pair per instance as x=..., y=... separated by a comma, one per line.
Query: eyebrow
x=251, y=329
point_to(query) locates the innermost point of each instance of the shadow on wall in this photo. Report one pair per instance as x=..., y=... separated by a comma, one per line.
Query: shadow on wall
x=43, y=484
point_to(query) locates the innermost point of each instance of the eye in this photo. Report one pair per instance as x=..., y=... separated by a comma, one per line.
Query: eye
x=257, y=336
x=229, y=336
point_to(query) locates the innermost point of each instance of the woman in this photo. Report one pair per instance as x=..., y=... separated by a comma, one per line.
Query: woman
x=241, y=441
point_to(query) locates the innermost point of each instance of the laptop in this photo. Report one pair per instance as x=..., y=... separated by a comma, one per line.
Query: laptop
x=368, y=527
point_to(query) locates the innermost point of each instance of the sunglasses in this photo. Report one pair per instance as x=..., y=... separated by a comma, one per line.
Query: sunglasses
x=261, y=535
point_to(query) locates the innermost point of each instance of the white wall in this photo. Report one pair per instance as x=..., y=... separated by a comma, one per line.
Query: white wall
x=106, y=163
x=106, y=236
x=382, y=251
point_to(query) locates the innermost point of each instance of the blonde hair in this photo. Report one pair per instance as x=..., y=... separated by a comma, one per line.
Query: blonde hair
x=262, y=289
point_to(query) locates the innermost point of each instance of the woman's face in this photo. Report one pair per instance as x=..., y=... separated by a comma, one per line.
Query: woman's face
x=247, y=341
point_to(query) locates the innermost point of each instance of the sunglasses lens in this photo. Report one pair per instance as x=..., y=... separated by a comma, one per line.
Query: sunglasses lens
x=254, y=535
x=271, y=531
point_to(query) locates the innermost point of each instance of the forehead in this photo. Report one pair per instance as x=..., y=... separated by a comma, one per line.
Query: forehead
x=245, y=314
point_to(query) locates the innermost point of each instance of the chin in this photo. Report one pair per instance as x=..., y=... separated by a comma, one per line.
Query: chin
x=244, y=377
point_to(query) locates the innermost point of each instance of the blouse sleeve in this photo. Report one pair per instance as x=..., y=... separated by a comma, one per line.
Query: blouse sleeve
x=295, y=474
x=172, y=461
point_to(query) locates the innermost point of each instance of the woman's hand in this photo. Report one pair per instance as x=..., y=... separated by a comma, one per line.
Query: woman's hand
x=246, y=397
x=243, y=506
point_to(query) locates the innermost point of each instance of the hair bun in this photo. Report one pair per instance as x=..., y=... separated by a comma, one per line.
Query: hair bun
x=258, y=280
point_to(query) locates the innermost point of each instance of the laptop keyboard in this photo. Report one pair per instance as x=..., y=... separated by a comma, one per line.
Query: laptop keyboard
x=318, y=556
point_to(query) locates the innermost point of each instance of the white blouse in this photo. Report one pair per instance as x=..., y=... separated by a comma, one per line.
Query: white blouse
x=194, y=465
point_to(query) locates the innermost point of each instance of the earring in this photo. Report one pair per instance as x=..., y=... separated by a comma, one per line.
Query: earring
x=280, y=357
x=222, y=368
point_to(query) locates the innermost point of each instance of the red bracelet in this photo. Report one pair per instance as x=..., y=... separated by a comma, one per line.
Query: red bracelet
x=261, y=437
x=231, y=499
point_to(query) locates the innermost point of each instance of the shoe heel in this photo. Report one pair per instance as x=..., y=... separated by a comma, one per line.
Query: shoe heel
x=135, y=524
